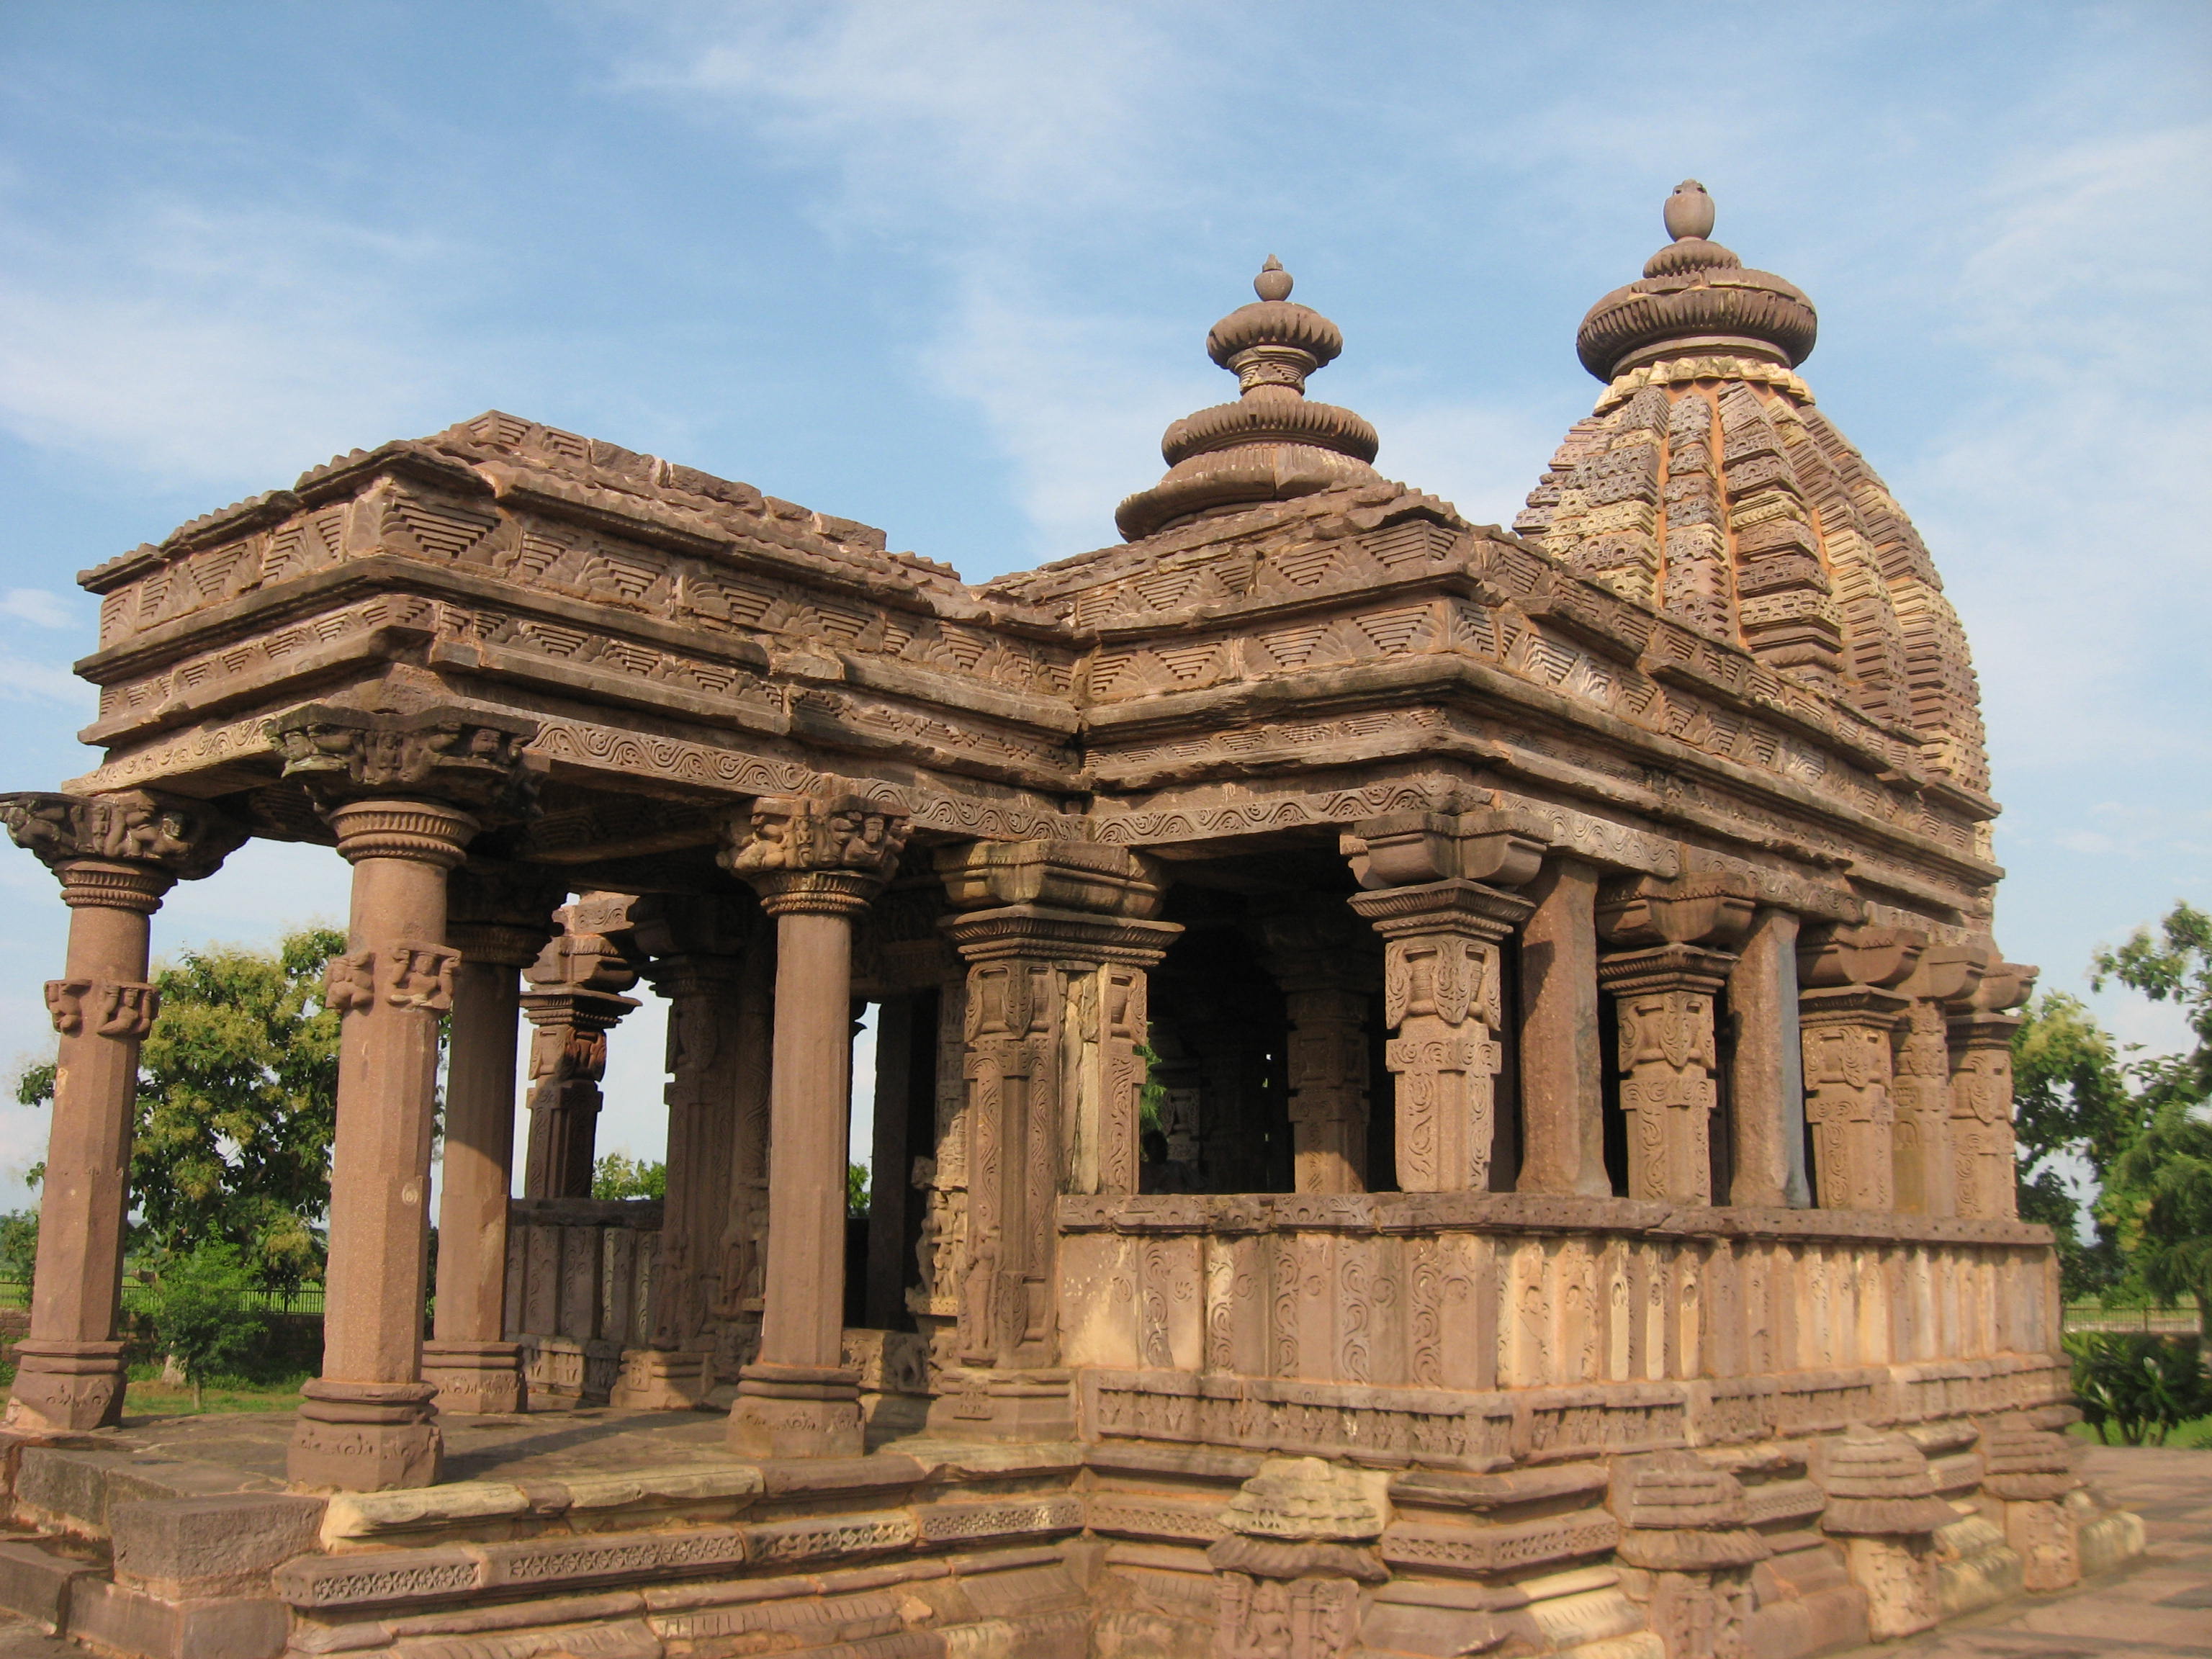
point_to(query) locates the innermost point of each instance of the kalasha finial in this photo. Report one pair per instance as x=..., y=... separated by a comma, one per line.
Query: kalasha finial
x=1273, y=282
x=1689, y=211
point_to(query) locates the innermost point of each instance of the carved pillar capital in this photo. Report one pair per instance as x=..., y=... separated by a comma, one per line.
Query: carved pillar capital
x=421, y=832
x=1408, y=849
x=1833, y=954
x=1055, y=875
x=808, y=856
x=503, y=914
x=1711, y=909
x=470, y=758
x=122, y=850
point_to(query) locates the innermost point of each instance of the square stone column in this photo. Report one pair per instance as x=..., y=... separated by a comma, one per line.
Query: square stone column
x=575, y=1000
x=1664, y=989
x=815, y=863
x=499, y=920
x=1984, y=1174
x=1562, y=1097
x=1766, y=1080
x=695, y=947
x=115, y=855
x=405, y=793
x=1847, y=1017
x=1054, y=1014
x=1325, y=963
x=1440, y=994
x=1922, y=1160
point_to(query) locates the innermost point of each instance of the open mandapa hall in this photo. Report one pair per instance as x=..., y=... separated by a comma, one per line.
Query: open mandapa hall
x=1440, y=1089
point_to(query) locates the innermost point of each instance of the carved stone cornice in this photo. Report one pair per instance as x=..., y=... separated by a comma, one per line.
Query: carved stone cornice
x=1056, y=875
x=1501, y=848
x=503, y=914
x=138, y=837
x=466, y=757
x=1034, y=931
x=1665, y=968
x=1442, y=907
x=419, y=830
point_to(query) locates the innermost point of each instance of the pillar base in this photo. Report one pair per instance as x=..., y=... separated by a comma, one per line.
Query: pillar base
x=66, y=1386
x=656, y=1380
x=797, y=1411
x=1005, y=1406
x=365, y=1436
x=475, y=1379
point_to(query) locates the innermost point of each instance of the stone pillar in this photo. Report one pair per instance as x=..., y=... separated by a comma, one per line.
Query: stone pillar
x=575, y=1000
x=1425, y=876
x=816, y=864
x=1984, y=1173
x=1058, y=937
x=744, y=1227
x=1921, y=1162
x=1562, y=1101
x=406, y=793
x=1767, y=1080
x=1846, y=1016
x=115, y=855
x=1663, y=988
x=499, y=920
x=696, y=948
x=1327, y=972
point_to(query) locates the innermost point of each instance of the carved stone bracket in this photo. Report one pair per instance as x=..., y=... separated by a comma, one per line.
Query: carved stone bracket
x=1503, y=848
x=503, y=914
x=122, y=849
x=798, y=834
x=1441, y=995
x=467, y=757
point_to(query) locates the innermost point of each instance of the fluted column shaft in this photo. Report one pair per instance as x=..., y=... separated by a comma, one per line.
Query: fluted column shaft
x=367, y=1423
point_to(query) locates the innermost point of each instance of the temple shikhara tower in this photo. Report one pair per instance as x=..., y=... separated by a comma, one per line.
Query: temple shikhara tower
x=1440, y=1089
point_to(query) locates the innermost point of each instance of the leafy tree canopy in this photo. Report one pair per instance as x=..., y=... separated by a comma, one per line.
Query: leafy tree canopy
x=2139, y=1122
x=616, y=1176
x=237, y=1104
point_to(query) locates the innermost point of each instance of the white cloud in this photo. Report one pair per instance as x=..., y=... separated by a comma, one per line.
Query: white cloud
x=215, y=348
x=24, y=681
x=36, y=606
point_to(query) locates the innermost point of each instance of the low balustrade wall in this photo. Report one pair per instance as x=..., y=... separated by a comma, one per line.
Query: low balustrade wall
x=1474, y=1330
x=579, y=1281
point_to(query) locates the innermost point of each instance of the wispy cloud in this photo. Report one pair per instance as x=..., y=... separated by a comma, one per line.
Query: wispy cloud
x=36, y=606
x=203, y=344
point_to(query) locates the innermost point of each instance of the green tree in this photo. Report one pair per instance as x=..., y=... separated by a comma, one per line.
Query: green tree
x=856, y=1190
x=18, y=1244
x=203, y=1315
x=237, y=1104
x=2070, y=1100
x=617, y=1177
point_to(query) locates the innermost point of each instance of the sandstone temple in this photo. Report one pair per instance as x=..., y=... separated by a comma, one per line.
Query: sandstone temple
x=1440, y=1089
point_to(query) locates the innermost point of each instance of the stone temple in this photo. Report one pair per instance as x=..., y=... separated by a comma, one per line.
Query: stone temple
x=1441, y=1090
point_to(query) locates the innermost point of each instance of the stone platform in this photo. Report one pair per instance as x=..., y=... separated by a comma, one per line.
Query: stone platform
x=620, y=1535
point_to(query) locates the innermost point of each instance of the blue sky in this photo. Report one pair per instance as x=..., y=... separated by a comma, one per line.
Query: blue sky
x=947, y=268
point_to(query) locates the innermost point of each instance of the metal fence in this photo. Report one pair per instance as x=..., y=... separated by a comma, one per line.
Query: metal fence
x=2154, y=1322
x=138, y=1297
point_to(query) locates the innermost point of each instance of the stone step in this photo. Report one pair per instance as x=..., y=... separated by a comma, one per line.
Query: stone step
x=40, y=1582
